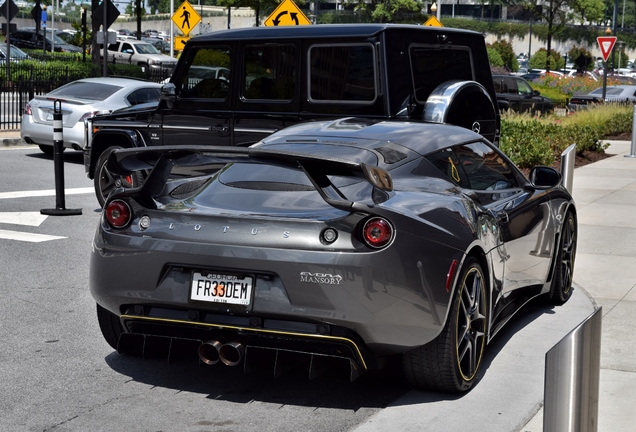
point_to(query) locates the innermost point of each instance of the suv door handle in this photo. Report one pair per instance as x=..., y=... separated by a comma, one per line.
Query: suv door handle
x=219, y=128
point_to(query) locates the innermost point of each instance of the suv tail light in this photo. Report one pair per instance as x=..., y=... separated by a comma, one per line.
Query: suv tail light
x=377, y=232
x=118, y=213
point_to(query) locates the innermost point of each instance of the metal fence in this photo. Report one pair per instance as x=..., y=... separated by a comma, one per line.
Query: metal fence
x=26, y=81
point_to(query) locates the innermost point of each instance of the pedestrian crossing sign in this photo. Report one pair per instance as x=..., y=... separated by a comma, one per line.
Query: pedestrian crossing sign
x=185, y=18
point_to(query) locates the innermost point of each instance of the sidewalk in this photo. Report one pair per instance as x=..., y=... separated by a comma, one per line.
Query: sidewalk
x=605, y=194
x=10, y=138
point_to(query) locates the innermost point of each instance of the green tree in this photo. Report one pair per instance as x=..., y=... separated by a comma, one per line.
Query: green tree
x=494, y=58
x=540, y=59
x=385, y=10
x=507, y=54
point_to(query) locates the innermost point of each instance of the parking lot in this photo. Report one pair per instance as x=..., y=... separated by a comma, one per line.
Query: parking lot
x=61, y=374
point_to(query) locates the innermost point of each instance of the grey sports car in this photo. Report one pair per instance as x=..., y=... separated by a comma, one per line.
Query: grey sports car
x=350, y=240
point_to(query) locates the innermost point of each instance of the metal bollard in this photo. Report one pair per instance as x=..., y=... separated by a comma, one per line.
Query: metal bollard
x=572, y=371
x=58, y=166
x=633, y=152
x=567, y=166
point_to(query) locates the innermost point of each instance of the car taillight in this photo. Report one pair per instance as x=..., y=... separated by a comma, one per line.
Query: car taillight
x=118, y=213
x=27, y=109
x=377, y=232
x=88, y=115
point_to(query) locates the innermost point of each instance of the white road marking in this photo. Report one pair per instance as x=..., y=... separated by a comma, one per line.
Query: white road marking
x=47, y=192
x=22, y=218
x=28, y=237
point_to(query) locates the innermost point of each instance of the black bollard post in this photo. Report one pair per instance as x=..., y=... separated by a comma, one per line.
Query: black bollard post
x=58, y=163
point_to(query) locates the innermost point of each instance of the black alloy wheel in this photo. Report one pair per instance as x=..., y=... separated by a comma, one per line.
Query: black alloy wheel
x=561, y=288
x=105, y=182
x=451, y=362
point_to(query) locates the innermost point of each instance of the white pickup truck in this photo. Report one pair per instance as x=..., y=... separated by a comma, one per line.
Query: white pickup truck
x=140, y=53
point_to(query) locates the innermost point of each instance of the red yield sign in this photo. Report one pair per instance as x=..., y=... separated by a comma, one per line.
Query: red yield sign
x=606, y=43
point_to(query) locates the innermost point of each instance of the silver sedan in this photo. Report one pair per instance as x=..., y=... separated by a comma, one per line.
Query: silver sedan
x=81, y=99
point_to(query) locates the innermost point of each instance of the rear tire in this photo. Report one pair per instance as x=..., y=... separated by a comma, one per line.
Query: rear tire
x=105, y=182
x=110, y=326
x=450, y=363
x=561, y=288
x=46, y=149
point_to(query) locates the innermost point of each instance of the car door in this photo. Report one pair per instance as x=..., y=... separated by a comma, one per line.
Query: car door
x=529, y=101
x=523, y=215
x=268, y=90
x=201, y=111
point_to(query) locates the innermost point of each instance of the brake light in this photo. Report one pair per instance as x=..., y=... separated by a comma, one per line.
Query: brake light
x=88, y=115
x=118, y=213
x=27, y=109
x=377, y=232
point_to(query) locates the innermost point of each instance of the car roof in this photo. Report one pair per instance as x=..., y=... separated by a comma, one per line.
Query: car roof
x=423, y=138
x=122, y=81
x=321, y=31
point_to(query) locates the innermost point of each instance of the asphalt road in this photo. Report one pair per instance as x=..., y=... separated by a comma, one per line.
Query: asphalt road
x=58, y=374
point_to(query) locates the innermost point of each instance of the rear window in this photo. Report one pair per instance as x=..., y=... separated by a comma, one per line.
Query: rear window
x=86, y=90
x=342, y=73
x=433, y=65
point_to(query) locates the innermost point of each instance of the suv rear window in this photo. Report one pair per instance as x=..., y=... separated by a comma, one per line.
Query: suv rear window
x=433, y=65
x=342, y=73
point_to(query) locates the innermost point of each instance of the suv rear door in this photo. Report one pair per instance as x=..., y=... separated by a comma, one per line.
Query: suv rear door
x=201, y=112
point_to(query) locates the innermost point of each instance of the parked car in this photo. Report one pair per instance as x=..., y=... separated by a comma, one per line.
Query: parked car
x=140, y=53
x=158, y=43
x=80, y=100
x=515, y=93
x=235, y=87
x=349, y=240
x=27, y=38
x=16, y=53
x=615, y=93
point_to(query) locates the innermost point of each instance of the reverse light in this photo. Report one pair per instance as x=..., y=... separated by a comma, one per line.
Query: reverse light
x=377, y=232
x=118, y=213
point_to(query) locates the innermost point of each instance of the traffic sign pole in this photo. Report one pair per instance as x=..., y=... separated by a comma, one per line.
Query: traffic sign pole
x=606, y=44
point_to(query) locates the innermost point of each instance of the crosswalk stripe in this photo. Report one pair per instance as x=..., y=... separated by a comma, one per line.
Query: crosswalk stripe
x=28, y=237
x=22, y=218
x=47, y=192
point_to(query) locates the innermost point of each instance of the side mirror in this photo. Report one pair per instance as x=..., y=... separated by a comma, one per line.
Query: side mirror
x=536, y=93
x=543, y=177
x=168, y=94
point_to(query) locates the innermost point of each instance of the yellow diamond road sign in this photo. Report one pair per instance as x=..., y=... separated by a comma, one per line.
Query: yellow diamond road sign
x=287, y=14
x=185, y=18
x=433, y=22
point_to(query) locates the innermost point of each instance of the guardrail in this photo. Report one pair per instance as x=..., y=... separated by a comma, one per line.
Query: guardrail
x=572, y=371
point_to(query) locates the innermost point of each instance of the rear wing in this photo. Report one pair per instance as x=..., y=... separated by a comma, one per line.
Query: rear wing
x=161, y=160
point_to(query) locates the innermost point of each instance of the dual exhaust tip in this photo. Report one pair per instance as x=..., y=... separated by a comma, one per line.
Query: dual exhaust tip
x=230, y=354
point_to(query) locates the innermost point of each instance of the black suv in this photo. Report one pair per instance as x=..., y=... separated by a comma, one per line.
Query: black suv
x=27, y=38
x=235, y=87
x=515, y=93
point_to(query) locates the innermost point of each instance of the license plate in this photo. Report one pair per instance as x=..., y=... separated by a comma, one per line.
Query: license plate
x=221, y=288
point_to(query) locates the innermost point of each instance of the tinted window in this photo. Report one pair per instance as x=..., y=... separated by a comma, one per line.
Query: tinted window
x=342, y=73
x=143, y=95
x=85, y=90
x=475, y=166
x=432, y=66
x=270, y=72
x=208, y=74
